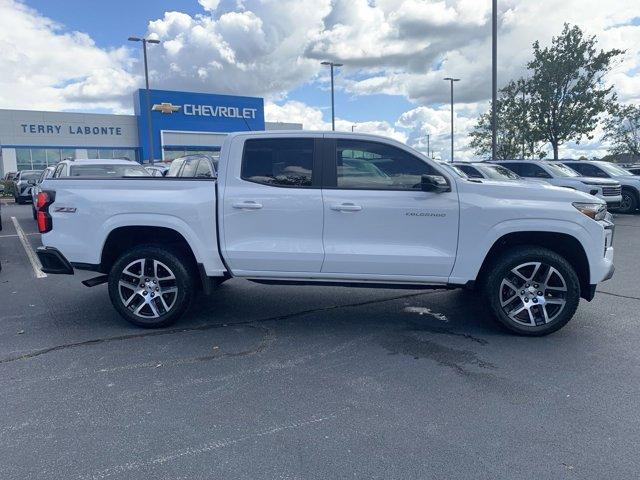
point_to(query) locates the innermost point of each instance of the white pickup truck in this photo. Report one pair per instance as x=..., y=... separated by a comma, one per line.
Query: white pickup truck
x=328, y=208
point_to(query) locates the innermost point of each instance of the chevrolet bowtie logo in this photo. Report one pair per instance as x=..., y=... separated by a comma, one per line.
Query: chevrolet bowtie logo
x=165, y=107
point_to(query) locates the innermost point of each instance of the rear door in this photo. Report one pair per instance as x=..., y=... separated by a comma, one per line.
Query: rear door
x=378, y=221
x=272, y=206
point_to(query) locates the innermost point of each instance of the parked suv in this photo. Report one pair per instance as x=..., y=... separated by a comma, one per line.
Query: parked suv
x=46, y=173
x=22, y=183
x=560, y=175
x=99, y=168
x=630, y=182
x=489, y=171
x=193, y=166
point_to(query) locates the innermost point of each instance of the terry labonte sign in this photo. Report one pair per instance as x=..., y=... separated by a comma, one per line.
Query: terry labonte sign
x=60, y=129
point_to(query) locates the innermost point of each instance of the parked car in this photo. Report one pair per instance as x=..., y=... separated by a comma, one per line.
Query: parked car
x=99, y=168
x=560, y=175
x=283, y=209
x=193, y=166
x=157, y=170
x=629, y=181
x=10, y=176
x=490, y=171
x=635, y=169
x=35, y=190
x=22, y=183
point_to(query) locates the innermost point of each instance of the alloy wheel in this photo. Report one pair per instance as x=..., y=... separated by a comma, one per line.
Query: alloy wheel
x=533, y=294
x=148, y=288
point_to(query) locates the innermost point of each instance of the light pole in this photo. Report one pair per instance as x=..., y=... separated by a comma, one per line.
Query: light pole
x=451, y=80
x=428, y=145
x=494, y=78
x=333, y=116
x=148, y=101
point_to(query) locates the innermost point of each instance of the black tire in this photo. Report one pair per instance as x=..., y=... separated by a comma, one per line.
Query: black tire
x=34, y=212
x=537, y=309
x=629, y=202
x=169, y=261
x=19, y=201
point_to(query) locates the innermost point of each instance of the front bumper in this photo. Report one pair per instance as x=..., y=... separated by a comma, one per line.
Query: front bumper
x=53, y=261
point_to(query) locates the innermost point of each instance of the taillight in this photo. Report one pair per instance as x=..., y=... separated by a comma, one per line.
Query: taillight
x=43, y=200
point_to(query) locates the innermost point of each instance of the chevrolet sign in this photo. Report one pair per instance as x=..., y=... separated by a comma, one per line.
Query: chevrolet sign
x=218, y=111
x=165, y=107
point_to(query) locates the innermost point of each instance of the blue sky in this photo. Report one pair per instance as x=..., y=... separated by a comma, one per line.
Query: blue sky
x=73, y=55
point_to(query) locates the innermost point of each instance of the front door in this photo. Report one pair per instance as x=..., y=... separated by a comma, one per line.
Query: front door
x=378, y=221
x=272, y=210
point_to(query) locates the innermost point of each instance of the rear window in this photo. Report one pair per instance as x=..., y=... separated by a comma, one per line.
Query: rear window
x=108, y=171
x=284, y=162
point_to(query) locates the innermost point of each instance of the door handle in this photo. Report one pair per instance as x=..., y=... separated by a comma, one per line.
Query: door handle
x=248, y=205
x=346, y=207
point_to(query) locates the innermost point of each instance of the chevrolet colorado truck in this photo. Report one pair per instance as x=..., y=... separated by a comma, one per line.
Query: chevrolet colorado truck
x=328, y=209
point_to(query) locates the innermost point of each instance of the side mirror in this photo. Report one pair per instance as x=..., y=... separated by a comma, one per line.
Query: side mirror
x=434, y=183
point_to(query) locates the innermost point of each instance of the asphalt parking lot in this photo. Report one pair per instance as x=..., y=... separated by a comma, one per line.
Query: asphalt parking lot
x=312, y=382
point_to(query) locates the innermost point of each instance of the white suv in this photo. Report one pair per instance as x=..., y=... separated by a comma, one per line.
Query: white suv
x=560, y=175
x=629, y=181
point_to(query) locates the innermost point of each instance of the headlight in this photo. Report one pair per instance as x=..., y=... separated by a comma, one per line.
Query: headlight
x=597, y=211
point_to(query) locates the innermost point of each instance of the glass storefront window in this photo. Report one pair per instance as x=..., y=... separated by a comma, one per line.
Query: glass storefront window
x=92, y=153
x=53, y=156
x=23, y=158
x=67, y=153
x=38, y=158
x=127, y=153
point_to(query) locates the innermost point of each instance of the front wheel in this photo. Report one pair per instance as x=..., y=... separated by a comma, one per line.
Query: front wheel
x=532, y=291
x=151, y=286
x=629, y=203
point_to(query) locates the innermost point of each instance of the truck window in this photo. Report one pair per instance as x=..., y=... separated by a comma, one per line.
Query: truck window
x=470, y=171
x=284, y=162
x=371, y=165
x=175, y=167
x=204, y=169
x=190, y=166
x=587, y=170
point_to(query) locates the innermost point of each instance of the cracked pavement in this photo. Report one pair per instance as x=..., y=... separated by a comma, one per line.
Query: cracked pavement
x=309, y=382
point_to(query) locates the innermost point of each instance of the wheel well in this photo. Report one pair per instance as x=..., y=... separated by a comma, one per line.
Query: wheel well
x=124, y=238
x=565, y=245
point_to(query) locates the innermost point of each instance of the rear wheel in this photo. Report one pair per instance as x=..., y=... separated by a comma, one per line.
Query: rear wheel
x=532, y=291
x=151, y=286
x=34, y=212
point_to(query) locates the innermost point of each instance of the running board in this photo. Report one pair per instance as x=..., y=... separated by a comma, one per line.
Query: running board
x=356, y=284
x=99, y=280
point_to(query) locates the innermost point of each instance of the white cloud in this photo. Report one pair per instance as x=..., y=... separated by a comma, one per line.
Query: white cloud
x=271, y=47
x=311, y=119
x=44, y=67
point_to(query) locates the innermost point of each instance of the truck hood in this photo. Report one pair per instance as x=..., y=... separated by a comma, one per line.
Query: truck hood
x=526, y=191
x=596, y=181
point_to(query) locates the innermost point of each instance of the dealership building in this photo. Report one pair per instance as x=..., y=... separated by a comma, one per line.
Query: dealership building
x=181, y=123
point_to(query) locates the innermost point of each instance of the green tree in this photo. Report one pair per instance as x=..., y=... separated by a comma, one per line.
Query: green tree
x=567, y=90
x=515, y=138
x=622, y=129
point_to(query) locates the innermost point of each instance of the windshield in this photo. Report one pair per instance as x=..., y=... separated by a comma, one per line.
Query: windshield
x=613, y=170
x=454, y=169
x=560, y=170
x=108, y=171
x=496, y=172
x=26, y=176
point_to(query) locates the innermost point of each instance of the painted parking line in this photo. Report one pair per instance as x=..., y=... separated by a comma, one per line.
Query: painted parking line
x=33, y=258
x=14, y=235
